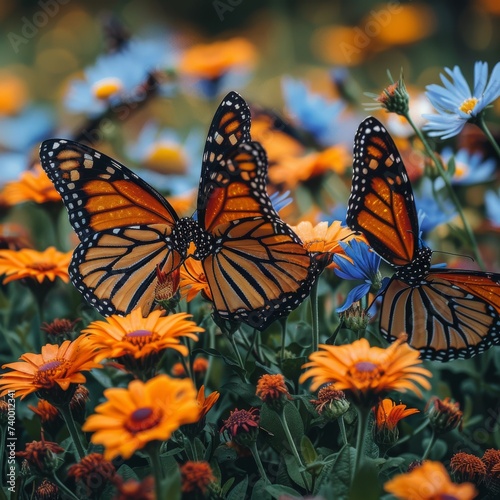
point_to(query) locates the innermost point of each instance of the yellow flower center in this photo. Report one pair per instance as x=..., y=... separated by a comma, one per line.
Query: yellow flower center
x=143, y=419
x=140, y=338
x=107, y=87
x=50, y=371
x=167, y=157
x=468, y=105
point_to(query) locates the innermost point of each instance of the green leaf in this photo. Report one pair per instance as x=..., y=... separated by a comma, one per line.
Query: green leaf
x=259, y=491
x=239, y=491
x=278, y=490
x=334, y=481
x=271, y=423
x=295, y=472
x=226, y=486
x=172, y=485
x=307, y=450
x=365, y=485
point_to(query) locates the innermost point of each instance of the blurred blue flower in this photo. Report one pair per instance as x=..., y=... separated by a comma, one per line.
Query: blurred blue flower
x=492, y=205
x=169, y=164
x=469, y=167
x=22, y=131
x=117, y=77
x=363, y=267
x=433, y=208
x=314, y=113
x=456, y=104
x=12, y=165
x=281, y=200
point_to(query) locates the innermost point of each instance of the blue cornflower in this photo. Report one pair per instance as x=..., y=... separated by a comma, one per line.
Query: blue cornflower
x=432, y=207
x=314, y=113
x=456, y=104
x=170, y=164
x=362, y=265
x=116, y=77
x=469, y=167
x=492, y=205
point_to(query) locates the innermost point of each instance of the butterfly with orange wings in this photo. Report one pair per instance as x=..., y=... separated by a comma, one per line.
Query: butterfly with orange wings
x=447, y=313
x=255, y=265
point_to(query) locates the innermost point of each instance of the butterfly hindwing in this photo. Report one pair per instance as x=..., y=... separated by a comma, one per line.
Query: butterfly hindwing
x=452, y=314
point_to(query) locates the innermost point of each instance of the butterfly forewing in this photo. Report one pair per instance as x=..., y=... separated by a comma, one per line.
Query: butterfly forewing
x=126, y=228
x=381, y=204
x=229, y=129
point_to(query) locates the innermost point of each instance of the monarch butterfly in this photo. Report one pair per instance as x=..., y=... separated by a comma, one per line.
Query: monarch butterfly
x=447, y=313
x=255, y=265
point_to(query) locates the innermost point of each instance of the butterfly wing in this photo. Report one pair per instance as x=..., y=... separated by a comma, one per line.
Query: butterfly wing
x=257, y=268
x=451, y=314
x=126, y=228
x=381, y=204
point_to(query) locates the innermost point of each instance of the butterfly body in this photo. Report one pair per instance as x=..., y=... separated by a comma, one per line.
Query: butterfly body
x=255, y=265
x=446, y=313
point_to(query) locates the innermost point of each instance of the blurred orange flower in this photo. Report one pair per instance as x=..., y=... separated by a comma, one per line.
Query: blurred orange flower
x=28, y=263
x=34, y=185
x=13, y=93
x=131, y=418
x=212, y=60
x=290, y=171
x=427, y=482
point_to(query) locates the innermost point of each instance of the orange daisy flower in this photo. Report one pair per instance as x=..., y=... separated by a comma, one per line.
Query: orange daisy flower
x=52, y=373
x=144, y=412
x=135, y=490
x=138, y=337
x=194, y=281
x=200, y=365
x=213, y=60
x=387, y=415
x=28, y=263
x=367, y=372
x=206, y=403
x=34, y=185
x=428, y=482
x=325, y=239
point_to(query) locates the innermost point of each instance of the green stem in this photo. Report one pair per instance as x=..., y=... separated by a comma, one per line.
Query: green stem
x=256, y=457
x=451, y=192
x=363, y=415
x=419, y=429
x=295, y=452
x=153, y=451
x=282, y=322
x=237, y=353
x=482, y=125
x=73, y=431
x=67, y=492
x=315, y=317
x=342, y=429
x=430, y=445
